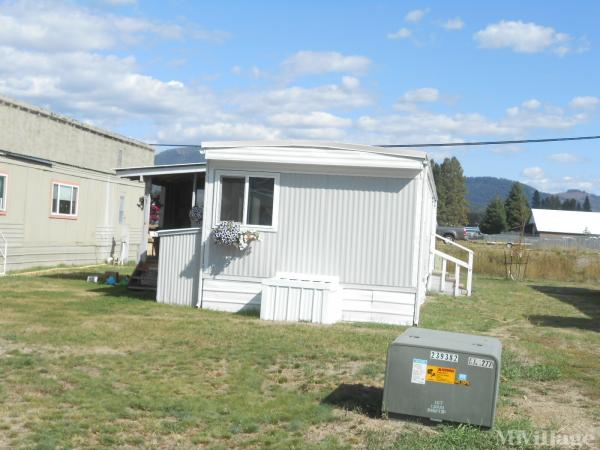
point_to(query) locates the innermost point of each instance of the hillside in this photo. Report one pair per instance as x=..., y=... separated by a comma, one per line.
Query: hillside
x=178, y=155
x=481, y=190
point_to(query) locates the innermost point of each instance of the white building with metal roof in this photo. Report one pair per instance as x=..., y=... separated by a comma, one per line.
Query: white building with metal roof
x=550, y=222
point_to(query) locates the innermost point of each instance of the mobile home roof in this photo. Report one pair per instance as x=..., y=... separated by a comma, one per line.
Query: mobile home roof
x=566, y=222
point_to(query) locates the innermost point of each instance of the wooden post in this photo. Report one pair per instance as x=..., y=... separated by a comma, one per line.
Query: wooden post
x=456, y=280
x=470, y=275
x=443, y=277
x=194, y=188
x=143, y=248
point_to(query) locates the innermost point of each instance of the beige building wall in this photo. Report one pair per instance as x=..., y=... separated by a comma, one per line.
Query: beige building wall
x=79, y=156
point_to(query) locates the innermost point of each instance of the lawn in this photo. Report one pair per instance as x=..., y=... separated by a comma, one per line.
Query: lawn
x=83, y=365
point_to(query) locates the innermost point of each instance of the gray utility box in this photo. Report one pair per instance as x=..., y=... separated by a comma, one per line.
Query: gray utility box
x=443, y=376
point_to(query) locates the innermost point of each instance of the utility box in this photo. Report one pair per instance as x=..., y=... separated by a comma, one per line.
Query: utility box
x=443, y=376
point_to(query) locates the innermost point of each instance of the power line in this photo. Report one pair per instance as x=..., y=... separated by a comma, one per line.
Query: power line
x=447, y=144
x=520, y=141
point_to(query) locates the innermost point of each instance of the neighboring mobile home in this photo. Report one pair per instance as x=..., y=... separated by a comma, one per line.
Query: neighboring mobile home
x=60, y=200
x=350, y=226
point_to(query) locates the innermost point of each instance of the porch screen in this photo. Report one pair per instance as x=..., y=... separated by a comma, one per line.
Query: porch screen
x=232, y=198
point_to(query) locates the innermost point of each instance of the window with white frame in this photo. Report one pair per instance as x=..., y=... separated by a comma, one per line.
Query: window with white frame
x=248, y=198
x=64, y=199
x=3, y=183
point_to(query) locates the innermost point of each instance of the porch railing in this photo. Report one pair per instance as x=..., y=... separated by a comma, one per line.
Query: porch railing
x=458, y=265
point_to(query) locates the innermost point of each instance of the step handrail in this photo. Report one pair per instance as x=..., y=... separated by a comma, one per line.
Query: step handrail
x=468, y=265
x=3, y=252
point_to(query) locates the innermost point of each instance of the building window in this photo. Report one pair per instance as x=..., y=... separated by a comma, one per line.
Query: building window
x=122, y=210
x=3, y=183
x=64, y=199
x=250, y=199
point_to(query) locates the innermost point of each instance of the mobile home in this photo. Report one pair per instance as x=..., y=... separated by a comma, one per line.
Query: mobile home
x=345, y=228
x=60, y=199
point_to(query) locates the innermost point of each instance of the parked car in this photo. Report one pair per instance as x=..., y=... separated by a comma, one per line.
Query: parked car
x=452, y=233
x=474, y=233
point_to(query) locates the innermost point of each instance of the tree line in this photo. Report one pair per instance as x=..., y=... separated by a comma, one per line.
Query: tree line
x=554, y=202
x=511, y=213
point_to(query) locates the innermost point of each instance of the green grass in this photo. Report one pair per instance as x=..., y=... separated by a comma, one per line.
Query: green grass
x=85, y=365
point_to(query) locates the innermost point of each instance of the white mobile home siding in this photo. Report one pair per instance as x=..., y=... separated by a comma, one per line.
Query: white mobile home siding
x=331, y=225
x=359, y=228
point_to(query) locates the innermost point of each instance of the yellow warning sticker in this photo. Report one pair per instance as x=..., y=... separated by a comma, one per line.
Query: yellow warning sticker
x=441, y=374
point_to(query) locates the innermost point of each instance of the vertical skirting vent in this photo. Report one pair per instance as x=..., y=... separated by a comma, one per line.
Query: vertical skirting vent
x=301, y=298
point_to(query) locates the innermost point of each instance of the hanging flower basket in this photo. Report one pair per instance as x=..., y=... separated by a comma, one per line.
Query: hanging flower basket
x=231, y=234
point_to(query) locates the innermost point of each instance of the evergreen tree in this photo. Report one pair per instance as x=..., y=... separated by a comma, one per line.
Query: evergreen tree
x=536, y=201
x=552, y=202
x=440, y=187
x=587, y=206
x=569, y=204
x=451, y=183
x=579, y=206
x=517, y=207
x=494, y=219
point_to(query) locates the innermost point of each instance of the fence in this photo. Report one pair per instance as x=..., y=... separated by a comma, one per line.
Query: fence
x=550, y=243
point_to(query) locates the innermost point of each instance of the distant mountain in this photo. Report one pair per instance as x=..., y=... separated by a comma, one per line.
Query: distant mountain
x=481, y=190
x=179, y=155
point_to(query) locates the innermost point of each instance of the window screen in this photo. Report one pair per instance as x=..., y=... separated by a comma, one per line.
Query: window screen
x=232, y=198
x=260, y=201
x=2, y=192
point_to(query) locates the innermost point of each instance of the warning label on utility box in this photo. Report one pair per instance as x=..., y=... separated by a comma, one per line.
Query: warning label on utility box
x=441, y=374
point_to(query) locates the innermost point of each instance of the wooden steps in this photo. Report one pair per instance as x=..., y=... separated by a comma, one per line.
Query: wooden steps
x=145, y=275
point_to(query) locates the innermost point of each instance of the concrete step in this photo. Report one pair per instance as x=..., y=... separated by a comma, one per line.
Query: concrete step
x=434, y=285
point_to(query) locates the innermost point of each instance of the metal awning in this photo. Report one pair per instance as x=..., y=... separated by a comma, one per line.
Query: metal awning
x=133, y=173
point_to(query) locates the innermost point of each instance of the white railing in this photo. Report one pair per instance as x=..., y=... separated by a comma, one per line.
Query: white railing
x=3, y=253
x=458, y=264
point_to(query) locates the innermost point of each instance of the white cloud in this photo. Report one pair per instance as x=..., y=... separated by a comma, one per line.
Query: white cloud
x=584, y=102
x=454, y=24
x=523, y=37
x=310, y=120
x=537, y=177
x=426, y=94
x=301, y=99
x=350, y=82
x=58, y=27
x=415, y=15
x=402, y=33
x=532, y=104
x=535, y=172
x=314, y=63
x=565, y=158
x=236, y=70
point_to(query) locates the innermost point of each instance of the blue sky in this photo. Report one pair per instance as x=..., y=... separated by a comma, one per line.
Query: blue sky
x=369, y=72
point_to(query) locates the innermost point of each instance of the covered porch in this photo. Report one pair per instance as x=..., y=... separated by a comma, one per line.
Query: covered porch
x=173, y=205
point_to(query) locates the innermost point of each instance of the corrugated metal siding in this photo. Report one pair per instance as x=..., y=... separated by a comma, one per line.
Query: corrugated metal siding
x=358, y=228
x=179, y=268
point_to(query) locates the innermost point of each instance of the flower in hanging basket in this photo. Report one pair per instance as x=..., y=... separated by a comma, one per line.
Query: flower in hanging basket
x=230, y=233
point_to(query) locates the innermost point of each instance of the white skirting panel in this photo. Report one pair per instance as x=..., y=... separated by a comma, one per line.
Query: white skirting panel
x=358, y=305
x=231, y=295
x=377, y=306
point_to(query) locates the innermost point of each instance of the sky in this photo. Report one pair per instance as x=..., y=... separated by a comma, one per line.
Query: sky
x=397, y=72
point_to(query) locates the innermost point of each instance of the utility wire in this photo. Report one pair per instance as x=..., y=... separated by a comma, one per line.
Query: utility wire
x=521, y=141
x=446, y=144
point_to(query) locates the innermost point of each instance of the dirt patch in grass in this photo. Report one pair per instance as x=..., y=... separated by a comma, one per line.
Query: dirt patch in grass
x=558, y=407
